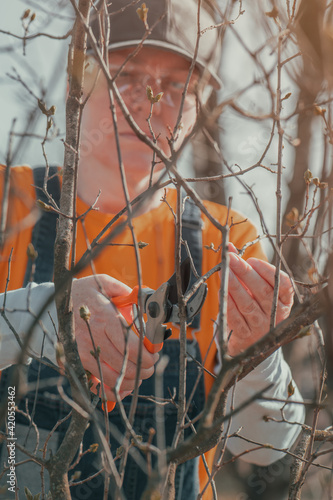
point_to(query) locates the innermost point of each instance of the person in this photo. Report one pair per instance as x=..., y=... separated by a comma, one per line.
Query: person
x=163, y=63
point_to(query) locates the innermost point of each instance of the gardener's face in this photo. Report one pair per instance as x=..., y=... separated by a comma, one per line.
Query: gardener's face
x=163, y=72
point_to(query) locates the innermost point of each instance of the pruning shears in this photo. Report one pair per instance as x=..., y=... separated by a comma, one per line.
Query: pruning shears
x=160, y=306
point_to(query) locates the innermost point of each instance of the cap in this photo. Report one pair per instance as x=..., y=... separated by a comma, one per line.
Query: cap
x=174, y=28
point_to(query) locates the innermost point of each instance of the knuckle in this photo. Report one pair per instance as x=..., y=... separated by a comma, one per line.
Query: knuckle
x=144, y=374
x=258, y=321
x=267, y=290
x=249, y=307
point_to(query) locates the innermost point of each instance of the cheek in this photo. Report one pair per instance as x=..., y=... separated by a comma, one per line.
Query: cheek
x=188, y=120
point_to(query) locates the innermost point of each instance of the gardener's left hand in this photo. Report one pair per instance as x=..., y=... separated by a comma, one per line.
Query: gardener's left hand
x=251, y=287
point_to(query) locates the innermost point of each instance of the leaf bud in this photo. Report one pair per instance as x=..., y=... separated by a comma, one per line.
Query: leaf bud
x=150, y=93
x=85, y=313
x=119, y=452
x=292, y=217
x=76, y=476
x=139, y=440
x=142, y=244
x=33, y=17
x=291, y=389
x=25, y=14
x=142, y=13
x=272, y=13
x=93, y=447
x=158, y=97
x=308, y=176
x=316, y=181
x=42, y=107
x=319, y=111
x=44, y=206
x=31, y=252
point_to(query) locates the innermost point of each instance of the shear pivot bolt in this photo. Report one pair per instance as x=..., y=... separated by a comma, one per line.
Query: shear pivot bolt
x=153, y=309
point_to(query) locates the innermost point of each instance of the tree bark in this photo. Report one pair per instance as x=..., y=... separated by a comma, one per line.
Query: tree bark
x=58, y=465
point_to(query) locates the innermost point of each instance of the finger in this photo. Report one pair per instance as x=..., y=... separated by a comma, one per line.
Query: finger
x=111, y=335
x=95, y=387
x=232, y=248
x=246, y=304
x=110, y=286
x=241, y=335
x=130, y=341
x=267, y=272
x=110, y=378
x=112, y=362
x=116, y=360
x=256, y=284
x=256, y=303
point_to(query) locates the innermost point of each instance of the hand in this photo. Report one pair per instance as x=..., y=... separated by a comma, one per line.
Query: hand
x=109, y=334
x=251, y=286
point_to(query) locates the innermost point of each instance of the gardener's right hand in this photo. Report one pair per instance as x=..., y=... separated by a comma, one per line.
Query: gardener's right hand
x=109, y=334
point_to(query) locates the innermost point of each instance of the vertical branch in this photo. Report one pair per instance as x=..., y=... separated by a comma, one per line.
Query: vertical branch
x=59, y=463
x=182, y=317
x=160, y=416
x=139, y=276
x=278, y=187
x=223, y=325
x=179, y=432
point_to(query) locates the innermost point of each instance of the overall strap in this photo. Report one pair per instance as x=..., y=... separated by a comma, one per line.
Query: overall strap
x=44, y=232
x=192, y=233
x=43, y=238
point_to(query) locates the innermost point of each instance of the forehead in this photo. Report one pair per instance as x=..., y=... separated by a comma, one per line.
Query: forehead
x=151, y=57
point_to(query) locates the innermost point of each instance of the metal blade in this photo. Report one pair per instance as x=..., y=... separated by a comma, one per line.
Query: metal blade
x=193, y=306
x=185, y=273
x=196, y=302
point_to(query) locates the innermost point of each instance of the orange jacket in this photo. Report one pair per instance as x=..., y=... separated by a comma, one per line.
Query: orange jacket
x=156, y=228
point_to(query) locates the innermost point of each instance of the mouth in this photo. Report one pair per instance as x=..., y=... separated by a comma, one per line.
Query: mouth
x=127, y=133
x=131, y=136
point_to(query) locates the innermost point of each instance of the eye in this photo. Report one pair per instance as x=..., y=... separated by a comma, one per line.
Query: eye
x=124, y=74
x=177, y=86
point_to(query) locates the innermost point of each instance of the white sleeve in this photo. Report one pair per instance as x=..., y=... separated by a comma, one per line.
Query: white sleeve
x=21, y=307
x=252, y=419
